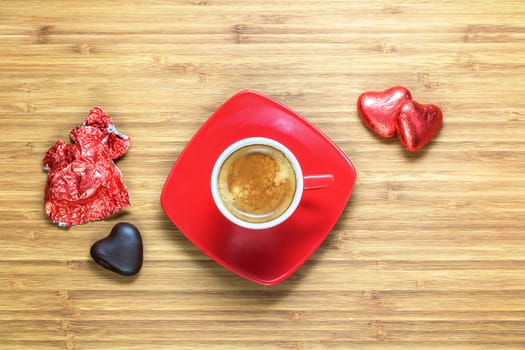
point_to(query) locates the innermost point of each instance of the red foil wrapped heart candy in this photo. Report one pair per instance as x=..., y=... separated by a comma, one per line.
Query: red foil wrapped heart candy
x=393, y=111
x=83, y=182
x=417, y=124
x=378, y=109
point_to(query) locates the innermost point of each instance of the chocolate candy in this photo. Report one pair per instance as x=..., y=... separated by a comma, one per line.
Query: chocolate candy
x=394, y=111
x=417, y=124
x=120, y=251
x=378, y=109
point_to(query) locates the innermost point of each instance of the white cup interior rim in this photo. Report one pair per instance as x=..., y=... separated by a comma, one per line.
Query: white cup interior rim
x=257, y=141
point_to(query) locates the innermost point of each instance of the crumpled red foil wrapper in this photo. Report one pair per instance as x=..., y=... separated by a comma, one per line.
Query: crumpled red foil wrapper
x=84, y=184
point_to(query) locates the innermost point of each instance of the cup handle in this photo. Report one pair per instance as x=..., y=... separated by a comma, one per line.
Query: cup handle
x=314, y=182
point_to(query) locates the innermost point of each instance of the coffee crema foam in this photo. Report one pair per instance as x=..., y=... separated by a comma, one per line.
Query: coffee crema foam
x=257, y=183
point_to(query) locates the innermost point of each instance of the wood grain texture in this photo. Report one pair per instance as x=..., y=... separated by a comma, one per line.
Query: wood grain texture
x=428, y=254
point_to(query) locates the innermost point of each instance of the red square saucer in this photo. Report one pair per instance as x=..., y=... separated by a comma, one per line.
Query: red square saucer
x=266, y=256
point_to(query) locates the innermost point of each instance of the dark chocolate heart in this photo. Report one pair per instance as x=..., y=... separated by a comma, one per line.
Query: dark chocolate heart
x=120, y=251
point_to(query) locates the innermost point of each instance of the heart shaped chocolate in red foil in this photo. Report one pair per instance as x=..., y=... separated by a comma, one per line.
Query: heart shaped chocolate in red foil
x=417, y=124
x=379, y=108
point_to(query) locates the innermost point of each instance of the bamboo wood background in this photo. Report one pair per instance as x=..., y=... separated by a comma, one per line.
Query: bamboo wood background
x=428, y=254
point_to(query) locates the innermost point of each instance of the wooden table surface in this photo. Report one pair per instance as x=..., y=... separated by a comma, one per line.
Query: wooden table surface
x=429, y=253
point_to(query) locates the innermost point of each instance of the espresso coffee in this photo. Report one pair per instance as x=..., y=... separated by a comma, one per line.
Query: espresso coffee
x=257, y=183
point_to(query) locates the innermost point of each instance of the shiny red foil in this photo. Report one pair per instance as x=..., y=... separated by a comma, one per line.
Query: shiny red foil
x=84, y=184
x=417, y=124
x=378, y=109
x=393, y=111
